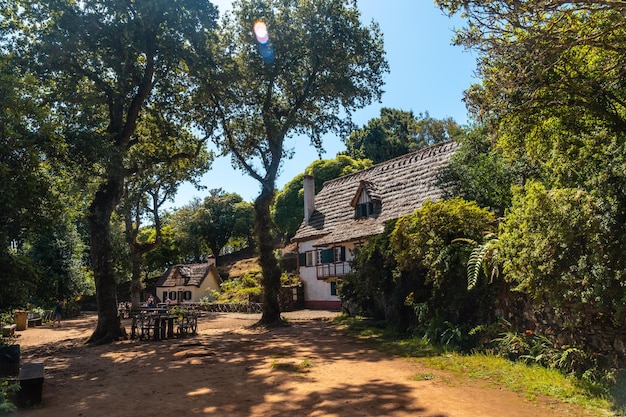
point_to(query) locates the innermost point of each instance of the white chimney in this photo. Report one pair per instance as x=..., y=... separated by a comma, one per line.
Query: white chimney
x=309, y=197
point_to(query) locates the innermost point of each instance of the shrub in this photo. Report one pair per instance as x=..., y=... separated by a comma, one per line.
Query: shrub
x=413, y=274
x=559, y=246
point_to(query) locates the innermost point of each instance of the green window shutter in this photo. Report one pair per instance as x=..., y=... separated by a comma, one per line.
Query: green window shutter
x=302, y=259
x=327, y=256
x=343, y=253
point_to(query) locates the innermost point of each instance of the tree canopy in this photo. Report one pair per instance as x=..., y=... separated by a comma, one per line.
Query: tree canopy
x=103, y=66
x=221, y=217
x=552, y=92
x=397, y=132
x=314, y=66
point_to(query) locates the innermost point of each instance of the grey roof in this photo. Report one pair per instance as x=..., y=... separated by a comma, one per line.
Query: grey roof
x=193, y=274
x=401, y=185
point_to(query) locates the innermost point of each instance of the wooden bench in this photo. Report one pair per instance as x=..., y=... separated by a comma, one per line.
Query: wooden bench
x=30, y=378
x=34, y=319
x=8, y=330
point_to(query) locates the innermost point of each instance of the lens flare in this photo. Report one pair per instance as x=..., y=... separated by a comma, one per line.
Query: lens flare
x=260, y=32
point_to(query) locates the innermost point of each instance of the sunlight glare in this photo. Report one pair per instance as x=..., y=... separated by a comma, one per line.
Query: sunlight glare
x=260, y=32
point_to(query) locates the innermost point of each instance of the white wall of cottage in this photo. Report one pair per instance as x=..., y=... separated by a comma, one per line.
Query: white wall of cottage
x=317, y=292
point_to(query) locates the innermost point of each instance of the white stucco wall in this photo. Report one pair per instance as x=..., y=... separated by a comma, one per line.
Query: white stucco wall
x=317, y=290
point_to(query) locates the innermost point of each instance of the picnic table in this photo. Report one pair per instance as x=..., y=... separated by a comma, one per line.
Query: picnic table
x=158, y=324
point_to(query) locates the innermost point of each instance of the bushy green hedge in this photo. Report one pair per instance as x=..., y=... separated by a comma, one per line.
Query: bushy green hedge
x=414, y=274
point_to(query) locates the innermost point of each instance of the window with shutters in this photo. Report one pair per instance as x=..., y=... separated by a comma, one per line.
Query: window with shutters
x=332, y=263
x=309, y=258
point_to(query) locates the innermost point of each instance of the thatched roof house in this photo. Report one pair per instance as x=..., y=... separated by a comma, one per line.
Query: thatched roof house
x=354, y=207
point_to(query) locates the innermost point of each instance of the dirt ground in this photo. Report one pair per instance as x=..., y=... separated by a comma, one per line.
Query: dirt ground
x=310, y=368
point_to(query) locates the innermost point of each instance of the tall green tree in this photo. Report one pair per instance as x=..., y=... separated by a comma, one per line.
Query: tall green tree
x=288, y=206
x=397, y=132
x=28, y=201
x=153, y=184
x=60, y=252
x=221, y=217
x=106, y=64
x=480, y=172
x=188, y=242
x=311, y=64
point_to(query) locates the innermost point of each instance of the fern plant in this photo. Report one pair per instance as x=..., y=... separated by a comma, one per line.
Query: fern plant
x=484, y=257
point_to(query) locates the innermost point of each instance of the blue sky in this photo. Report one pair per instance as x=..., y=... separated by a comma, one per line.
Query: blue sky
x=427, y=74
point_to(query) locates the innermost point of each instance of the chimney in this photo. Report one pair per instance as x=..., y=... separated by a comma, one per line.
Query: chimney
x=309, y=197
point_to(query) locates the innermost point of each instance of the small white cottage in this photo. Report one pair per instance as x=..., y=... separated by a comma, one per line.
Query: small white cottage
x=188, y=283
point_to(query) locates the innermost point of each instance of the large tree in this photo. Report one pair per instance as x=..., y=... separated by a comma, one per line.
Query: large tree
x=153, y=184
x=221, y=217
x=480, y=172
x=105, y=64
x=28, y=201
x=397, y=132
x=310, y=65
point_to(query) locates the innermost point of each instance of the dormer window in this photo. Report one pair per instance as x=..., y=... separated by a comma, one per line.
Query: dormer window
x=366, y=201
x=364, y=210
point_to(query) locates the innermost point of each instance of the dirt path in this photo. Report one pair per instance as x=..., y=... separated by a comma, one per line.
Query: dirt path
x=230, y=369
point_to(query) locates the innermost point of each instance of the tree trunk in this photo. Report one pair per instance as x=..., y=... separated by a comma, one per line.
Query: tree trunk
x=109, y=326
x=267, y=260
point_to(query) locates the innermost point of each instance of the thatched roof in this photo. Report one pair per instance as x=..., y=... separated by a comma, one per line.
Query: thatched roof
x=401, y=185
x=193, y=274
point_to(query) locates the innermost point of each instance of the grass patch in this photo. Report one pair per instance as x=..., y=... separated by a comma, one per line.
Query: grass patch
x=387, y=339
x=294, y=368
x=531, y=381
x=423, y=377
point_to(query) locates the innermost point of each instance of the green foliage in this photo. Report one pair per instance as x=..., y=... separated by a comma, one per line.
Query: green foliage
x=219, y=218
x=412, y=275
x=581, y=74
x=7, y=388
x=397, y=132
x=425, y=249
x=483, y=258
x=16, y=292
x=420, y=238
x=532, y=348
x=60, y=253
x=241, y=289
x=480, y=172
x=558, y=246
x=564, y=112
x=370, y=287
